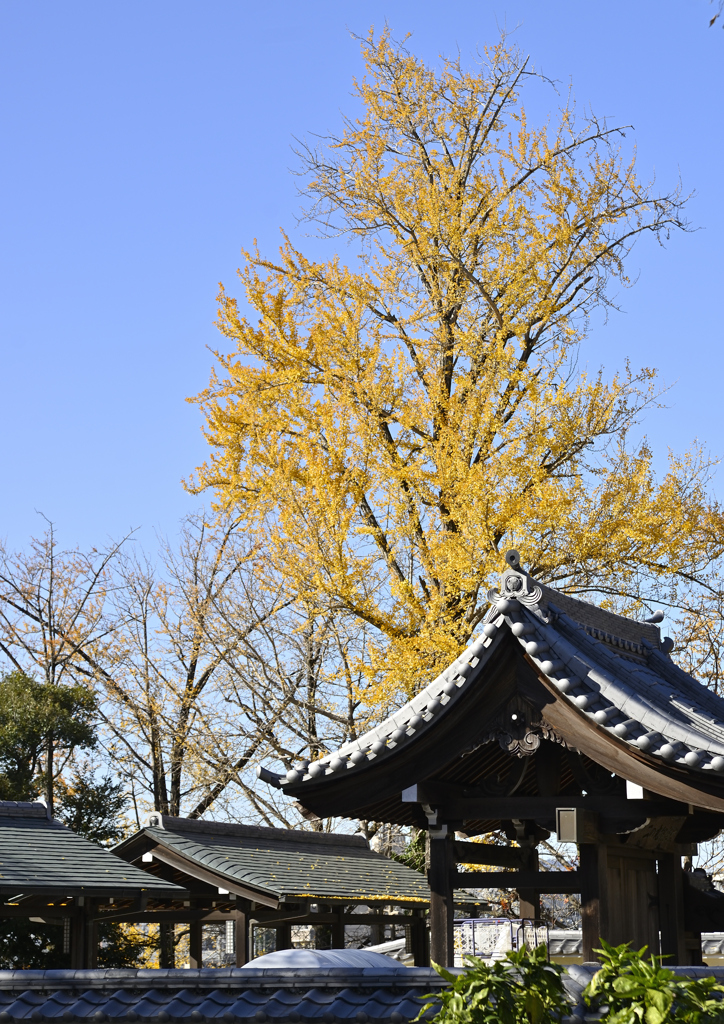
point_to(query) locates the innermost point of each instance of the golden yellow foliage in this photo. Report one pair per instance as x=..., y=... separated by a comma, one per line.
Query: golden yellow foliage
x=390, y=427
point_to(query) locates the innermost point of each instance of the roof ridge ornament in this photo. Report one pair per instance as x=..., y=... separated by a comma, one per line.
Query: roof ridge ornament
x=515, y=585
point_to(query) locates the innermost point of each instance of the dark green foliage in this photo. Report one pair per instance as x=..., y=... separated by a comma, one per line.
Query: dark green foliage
x=36, y=717
x=92, y=808
x=32, y=715
x=521, y=989
x=634, y=989
x=25, y=945
x=413, y=856
x=123, y=947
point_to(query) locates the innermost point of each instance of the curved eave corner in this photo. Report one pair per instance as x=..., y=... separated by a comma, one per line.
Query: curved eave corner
x=613, y=670
x=410, y=723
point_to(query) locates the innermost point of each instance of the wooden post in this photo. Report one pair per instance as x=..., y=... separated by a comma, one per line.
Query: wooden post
x=84, y=935
x=77, y=939
x=377, y=931
x=529, y=899
x=671, y=908
x=196, y=955
x=91, y=951
x=284, y=935
x=167, y=952
x=420, y=951
x=692, y=942
x=338, y=929
x=241, y=938
x=441, y=862
x=594, y=897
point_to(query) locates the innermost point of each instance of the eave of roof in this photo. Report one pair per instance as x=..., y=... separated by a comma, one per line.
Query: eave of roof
x=608, y=670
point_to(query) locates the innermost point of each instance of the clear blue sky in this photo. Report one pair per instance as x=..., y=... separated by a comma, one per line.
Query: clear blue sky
x=144, y=143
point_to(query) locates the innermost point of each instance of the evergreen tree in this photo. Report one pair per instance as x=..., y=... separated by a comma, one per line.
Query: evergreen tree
x=41, y=729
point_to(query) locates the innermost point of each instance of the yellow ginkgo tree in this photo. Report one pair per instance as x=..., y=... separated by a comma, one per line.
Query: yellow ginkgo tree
x=389, y=426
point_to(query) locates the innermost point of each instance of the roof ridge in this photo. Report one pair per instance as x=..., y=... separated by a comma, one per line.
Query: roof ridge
x=593, y=616
x=197, y=826
x=23, y=809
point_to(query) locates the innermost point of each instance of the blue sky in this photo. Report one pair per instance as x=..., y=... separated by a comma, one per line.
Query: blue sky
x=145, y=143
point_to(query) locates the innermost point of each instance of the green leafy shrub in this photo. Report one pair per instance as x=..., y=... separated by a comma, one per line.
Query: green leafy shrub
x=521, y=989
x=633, y=989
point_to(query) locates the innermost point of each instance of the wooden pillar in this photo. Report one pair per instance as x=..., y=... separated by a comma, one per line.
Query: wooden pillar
x=196, y=955
x=441, y=864
x=671, y=908
x=91, y=937
x=692, y=943
x=78, y=939
x=284, y=935
x=241, y=938
x=594, y=897
x=84, y=935
x=420, y=950
x=338, y=929
x=377, y=931
x=529, y=899
x=167, y=951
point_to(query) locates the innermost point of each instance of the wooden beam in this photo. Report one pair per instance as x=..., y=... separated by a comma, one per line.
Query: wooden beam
x=487, y=853
x=183, y=915
x=186, y=915
x=455, y=803
x=538, y=881
x=331, y=917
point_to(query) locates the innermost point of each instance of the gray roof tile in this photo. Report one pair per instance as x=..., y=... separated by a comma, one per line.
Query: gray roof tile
x=288, y=863
x=236, y=995
x=40, y=856
x=600, y=661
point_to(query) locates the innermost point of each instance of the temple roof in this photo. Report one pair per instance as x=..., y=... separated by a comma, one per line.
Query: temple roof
x=40, y=856
x=612, y=692
x=272, y=865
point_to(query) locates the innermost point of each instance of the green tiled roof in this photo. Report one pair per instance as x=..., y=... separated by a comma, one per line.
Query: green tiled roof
x=288, y=863
x=40, y=856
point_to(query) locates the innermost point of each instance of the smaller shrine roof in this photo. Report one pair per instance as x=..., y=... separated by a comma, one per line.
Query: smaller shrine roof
x=40, y=856
x=280, y=863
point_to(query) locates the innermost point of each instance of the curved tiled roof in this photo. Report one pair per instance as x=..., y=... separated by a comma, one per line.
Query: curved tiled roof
x=615, y=670
x=207, y=996
x=322, y=996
